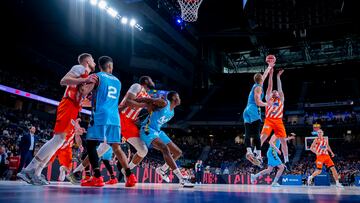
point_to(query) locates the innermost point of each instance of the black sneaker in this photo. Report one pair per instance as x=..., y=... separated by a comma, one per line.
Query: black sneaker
x=287, y=167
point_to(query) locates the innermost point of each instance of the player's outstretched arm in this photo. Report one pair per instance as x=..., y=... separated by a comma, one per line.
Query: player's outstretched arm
x=257, y=97
x=73, y=78
x=130, y=100
x=270, y=85
x=86, y=88
x=266, y=73
x=279, y=85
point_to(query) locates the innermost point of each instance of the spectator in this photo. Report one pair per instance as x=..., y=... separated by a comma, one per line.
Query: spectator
x=3, y=161
x=226, y=171
x=27, y=146
x=199, y=171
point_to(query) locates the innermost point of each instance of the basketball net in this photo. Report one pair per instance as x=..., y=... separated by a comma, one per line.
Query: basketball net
x=189, y=9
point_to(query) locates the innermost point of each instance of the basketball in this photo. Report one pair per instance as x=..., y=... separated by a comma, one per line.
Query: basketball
x=270, y=59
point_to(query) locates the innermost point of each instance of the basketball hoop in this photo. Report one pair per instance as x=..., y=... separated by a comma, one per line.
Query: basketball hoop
x=189, y=9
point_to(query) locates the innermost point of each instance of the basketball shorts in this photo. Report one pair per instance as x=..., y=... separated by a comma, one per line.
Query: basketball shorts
x=273, y=158
x=274, y=124
x=149, y=136
x=324, y=159
x=102, y=133
x=66, y=111
x=64, y=156
x=128, y=127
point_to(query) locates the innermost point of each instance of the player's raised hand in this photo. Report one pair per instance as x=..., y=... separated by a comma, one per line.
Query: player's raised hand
x=280, y=72
x=332, y=155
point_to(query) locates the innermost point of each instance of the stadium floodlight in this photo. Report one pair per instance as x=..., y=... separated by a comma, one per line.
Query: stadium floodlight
x=93, y=2
x=102, y=4
x=112, y=12
x=132, y=22
x=124, y=20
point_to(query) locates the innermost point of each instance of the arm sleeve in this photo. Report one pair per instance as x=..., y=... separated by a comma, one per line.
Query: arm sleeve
x=77, y=70
x=135, y=89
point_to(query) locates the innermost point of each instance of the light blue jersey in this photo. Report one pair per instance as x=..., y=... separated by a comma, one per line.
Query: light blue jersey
x=252, y=112
x=273, y=157
x=151, y=126
x=106, y=100
x=105, y=125
x=157, y=119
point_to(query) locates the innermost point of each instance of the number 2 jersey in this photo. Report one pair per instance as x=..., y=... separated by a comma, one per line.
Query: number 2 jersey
x=106, y=99
x=158, y=118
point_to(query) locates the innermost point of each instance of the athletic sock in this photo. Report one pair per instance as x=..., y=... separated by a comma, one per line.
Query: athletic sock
x=249, y=151
x=164, y=167
x=178, y=174
x=132, y=165
x=276, y=179
x=79, y=168
x=87, y=172
x=286, y=158
x=311, y=177
x=97, y=173
x=112, y=176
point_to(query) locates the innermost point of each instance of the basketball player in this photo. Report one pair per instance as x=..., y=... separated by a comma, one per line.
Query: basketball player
x=105, y=123
x=321, y=148
x=161, y=111
x=64, y=154
x=68, y=109
x=273, y=161
x=252, y=116
x=130, y=109
x=274, y=115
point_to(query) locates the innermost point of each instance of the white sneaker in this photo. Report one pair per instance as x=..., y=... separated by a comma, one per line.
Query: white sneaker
x=339, y=185
x=275, y=184
x=43, y=180
x=162, y=174
x=62, y=174
x=23, y=175
x=186, y=183
x=252, y=178
x=309, y=181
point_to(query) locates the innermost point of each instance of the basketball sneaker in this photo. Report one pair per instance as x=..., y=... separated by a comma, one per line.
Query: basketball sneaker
x=94, y=182
x=339, y=185
x=162, y=174
x=275, y=184
x=86, y=178
x=24, y=175
x=186, y=183
x=131, y=181
x=72, y=178
x=112, y=181
x=252, y=159
x=288, y=167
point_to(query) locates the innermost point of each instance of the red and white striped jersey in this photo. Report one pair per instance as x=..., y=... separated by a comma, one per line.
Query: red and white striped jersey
x=72, y=90
x=275, y=111
x=321, y=146
x=139, y=92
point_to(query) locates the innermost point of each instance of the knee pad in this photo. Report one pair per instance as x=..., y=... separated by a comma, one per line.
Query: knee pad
x=103, y=147
x=142, y=151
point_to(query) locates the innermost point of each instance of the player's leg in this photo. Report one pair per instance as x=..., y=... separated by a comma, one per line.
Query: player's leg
x=141, y=151
x=266, y=131
x=120, y=155
x=108, y=166
x=319, y=164
x=253, y=177
x=175, y=151
x=280, y=171
x=330, y=165
x=256, y=140
x=158, y=144
x=96, y=180
x=280, y=132
x=65, y=160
